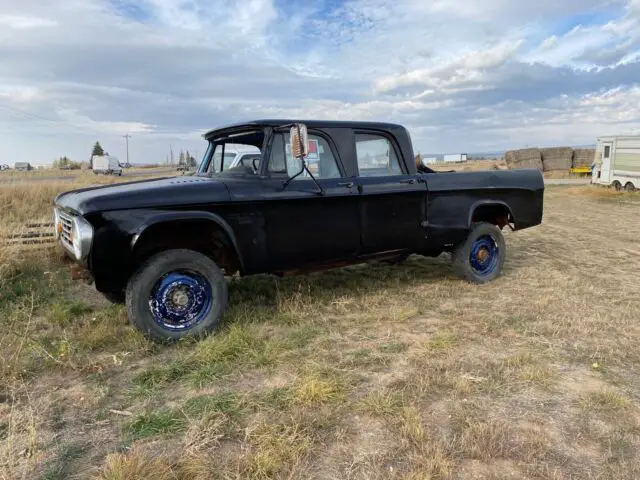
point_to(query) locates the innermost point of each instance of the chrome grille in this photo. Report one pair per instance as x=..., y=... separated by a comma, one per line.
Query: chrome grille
x=66, y=236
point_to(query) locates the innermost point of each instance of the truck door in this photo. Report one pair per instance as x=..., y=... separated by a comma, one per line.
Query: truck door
x=302, y=226
x=392, y=201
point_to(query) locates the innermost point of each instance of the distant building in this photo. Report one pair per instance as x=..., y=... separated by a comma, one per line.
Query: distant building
x=23, y=166
x=458, y=157
x=430, y=160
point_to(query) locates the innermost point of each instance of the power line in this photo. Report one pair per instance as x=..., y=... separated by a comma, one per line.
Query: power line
x=33, y=116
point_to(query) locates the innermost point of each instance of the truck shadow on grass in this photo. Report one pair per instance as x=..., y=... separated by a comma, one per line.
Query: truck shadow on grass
x=322, y=288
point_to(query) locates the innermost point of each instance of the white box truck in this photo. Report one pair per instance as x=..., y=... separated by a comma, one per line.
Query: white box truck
x=617, y=162
x=106, y=165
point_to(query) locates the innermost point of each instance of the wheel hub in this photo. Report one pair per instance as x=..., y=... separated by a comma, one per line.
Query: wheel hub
x=485, y=255
x=482, y=255
x=180, y=300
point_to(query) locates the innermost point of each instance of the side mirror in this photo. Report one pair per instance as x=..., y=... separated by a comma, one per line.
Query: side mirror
x=299, y=140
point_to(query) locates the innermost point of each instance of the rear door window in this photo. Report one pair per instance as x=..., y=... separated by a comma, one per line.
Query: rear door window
x=376, y=156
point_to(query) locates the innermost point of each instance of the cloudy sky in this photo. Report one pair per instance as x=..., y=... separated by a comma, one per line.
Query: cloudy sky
x=462, y=75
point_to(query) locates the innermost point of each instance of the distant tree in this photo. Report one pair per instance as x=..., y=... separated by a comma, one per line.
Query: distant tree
x=97, y=150
x=182, y=159
x=191, y=161
x=65, y=163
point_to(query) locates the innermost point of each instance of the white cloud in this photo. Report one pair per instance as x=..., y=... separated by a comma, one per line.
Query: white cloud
x=461, y=74
x=20, y=22
x=466, y=72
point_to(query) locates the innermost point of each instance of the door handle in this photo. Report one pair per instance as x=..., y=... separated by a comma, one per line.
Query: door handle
x=410, y=181
x=347, y=184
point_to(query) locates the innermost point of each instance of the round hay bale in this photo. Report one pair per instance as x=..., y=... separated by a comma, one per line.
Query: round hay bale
x=525, y=158
x=583, y=157
x=557, y=158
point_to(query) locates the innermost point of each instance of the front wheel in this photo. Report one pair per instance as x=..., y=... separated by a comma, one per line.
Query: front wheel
x=177, y=293
x=480, y=258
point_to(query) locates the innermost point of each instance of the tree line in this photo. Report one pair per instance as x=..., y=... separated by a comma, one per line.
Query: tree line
x=185, y=159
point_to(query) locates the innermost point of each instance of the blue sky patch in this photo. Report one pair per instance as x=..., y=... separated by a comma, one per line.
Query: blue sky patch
x=132, y=10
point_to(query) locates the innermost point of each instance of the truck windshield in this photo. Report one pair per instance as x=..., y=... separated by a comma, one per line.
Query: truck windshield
x=228, y=153
x=226, y=163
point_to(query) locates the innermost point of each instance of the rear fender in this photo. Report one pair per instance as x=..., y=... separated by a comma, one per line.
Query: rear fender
x=489, y=203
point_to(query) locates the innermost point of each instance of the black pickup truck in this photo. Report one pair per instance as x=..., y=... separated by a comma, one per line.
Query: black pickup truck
x=316, y=195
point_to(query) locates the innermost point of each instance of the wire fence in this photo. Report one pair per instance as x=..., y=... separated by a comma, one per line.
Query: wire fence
x=30, y=234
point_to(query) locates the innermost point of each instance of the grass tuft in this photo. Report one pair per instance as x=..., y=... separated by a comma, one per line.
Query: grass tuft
x=316, y=391
x=276, y=449
x=164, y=422
x=134, y=465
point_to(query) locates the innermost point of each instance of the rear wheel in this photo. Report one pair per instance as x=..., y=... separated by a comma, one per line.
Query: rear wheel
x=617, y=185
x=177, y=293
x=629, y=187
x=480, y=258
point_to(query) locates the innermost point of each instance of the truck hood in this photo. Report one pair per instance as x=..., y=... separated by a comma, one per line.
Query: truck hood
x=175, y=191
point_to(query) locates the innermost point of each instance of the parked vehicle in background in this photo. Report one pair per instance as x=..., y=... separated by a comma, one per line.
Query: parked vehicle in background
x=617, y=162
x=23, y=167
x=317, y=195
x=125, y=165
x=106, y=164
x=185, y=169
x=4, y=167
x=236, y=155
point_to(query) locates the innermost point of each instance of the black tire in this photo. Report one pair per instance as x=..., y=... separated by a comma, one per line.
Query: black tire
x=480, y=234
x=145, y=280
x=617, y=186
x=629, y=187
x=119, y=298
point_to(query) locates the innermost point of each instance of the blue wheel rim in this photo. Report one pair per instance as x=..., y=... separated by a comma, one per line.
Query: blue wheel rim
x=485, y=255
x=180, y=300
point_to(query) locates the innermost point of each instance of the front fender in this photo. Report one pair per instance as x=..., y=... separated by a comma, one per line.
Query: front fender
x=158, y=218
x=112, y=258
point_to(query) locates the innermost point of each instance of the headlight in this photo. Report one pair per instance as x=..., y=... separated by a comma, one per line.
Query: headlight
x=82, y=238
x=75, y=234
x=57, y=224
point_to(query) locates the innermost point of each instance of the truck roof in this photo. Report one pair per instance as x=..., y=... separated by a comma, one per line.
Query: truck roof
x=308, y=123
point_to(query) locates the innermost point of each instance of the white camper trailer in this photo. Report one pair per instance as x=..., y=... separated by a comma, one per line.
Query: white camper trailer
x=617, y=162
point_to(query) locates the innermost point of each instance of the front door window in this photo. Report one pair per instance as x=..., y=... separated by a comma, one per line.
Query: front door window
x=320, y=161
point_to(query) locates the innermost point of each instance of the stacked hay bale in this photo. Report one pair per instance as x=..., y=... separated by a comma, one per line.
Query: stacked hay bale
x=557, y=158
x=583, y=157
x=526, y=158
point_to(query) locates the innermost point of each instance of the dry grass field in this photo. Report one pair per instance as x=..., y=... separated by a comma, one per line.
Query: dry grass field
x=368, y=372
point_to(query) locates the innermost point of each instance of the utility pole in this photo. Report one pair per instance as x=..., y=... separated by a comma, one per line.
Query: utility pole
x=127, y=137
